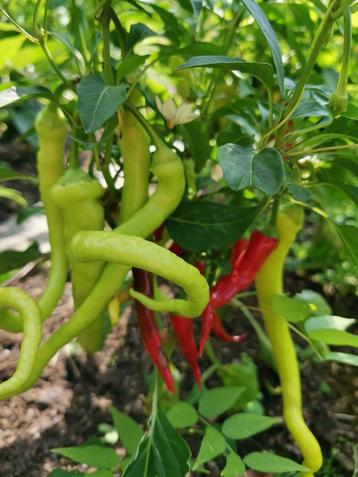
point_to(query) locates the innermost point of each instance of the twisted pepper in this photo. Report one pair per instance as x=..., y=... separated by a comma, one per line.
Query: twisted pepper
x=247, y=258
x=268, y=284
x=52, y=129
x=15, y=298
x=168, y=169
x=143, y=282
x=183, y=328
x=78, y=194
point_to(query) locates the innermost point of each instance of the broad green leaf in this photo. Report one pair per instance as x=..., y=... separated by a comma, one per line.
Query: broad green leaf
x=269, y=462
x=331, y=330
x=243, y=168
x=182, y=414
x=97, y=101
x=12, y=259
x=129, y=65
x=298, y=192
x=349, y=236
x=291, y=309
x=23, y=93
x=262, y=21
x=162, y=454
x=212, y=445
x=216, y=401
x=94, y=456
x=8, y=174
x=350, y=190
x=9, y=46
x=317, y=303
x=244, y=425
x=261, y=71
x=234, y=467
x=241, y=374
x=129, y=431
x=197, y=136
x=14, y=195
x=201, y=226
x=26, y=213
x=137, y=33
x=344, y=358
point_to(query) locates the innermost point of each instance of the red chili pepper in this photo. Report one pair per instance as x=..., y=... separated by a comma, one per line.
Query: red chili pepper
x=248, y=261
x=200, y=265
x=143, y=282
x=183, y=328
x=158, y=233
x=219, y=331
x=177, y=249
x=237, y=252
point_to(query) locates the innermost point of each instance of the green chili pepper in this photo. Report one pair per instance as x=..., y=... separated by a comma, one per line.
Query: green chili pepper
x=52, y=128
x=78, y=194
x=268, y=284
x=29, y=311
x=168, y=169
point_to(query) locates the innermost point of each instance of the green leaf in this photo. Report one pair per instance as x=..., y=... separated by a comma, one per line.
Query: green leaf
x=234, y=467
x=331, y=330
x=14, y=195
x=291, y=309
x=94, y=456
x=298, y=192
x=345, y=358
x=130, y=64
x=182, y=414
x=317, y=303
x=261, y=71
x=243, y=168
x=22, y=93
x=24, y=214
x=349, y=237
x=241, y=374
x=12, y=259
x=137, y=33
x=216, y=401
x=244, y=425
x=8, y=174
x=212, y=445
x=97, y=101
x=269, y=462
x=164, y=453
x=262, y=21
x=201, y=226
x=129, y=431
x=197, y=6
x=197, y=136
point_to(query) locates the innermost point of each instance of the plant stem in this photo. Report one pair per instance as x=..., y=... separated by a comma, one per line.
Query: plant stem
x=311, y=152
x=318, y=42
x=107, y=62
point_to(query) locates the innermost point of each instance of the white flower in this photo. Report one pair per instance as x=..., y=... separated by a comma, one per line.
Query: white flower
x=182, y=115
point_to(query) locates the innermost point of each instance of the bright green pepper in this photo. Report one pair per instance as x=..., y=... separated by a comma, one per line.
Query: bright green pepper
x=78, y=194
x=17, y=299
x=268, y=284
x=52, y=129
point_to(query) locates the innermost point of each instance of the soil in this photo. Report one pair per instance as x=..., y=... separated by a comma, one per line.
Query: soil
x=76, y=391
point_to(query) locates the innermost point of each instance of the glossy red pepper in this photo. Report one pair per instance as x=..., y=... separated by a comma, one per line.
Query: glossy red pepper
x=247, y=257
x=183, y=328
x=177, y=249
x=143, y=282
x=219, y=331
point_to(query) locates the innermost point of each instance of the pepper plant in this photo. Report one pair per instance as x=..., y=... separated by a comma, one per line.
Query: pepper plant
x=191, y=141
